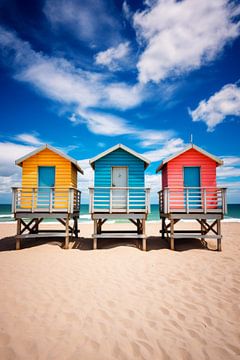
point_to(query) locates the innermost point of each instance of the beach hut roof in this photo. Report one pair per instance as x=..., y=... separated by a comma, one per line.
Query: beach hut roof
x=56, y=151
x=116, y=147
x=190, y=146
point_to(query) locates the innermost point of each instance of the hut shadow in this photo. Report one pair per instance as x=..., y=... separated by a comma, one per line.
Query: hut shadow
x=186, y=244
x=9, y=243
x=153, y=243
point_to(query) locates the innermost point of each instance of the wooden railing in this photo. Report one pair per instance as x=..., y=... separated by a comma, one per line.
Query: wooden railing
x=193, y=200
x=45, y=199
x=119, y=200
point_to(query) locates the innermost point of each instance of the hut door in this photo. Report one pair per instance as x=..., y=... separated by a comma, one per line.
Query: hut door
x=192, y=181
x=119, y=180
x=46, y=181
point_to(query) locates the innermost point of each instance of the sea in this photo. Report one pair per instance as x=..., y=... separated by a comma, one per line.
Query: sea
x=7, y=216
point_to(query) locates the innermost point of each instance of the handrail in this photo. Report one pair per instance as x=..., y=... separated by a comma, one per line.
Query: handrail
x=50, y=199
x=193, y=199
x=119, y=199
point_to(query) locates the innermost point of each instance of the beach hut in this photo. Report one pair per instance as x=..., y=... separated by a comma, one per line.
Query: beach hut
x=189, y=191
x=49, y=190
x=119, y=191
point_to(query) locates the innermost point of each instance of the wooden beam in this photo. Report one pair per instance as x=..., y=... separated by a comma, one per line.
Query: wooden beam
x=172, y=235
x=66, y=246
x=18, y=244
x=94, y=235
x=219, y=245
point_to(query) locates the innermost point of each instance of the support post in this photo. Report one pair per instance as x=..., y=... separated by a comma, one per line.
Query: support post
x=18, y=245
x=94, y=237
x=76, y=227
x=163, y=227
x=67, y=233
x=144, y=240
x=172, y=234
x=219, y=245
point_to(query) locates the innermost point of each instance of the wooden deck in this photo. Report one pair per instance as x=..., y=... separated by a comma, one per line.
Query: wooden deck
x=206, y=206
x=31, y=206
x=132, y=203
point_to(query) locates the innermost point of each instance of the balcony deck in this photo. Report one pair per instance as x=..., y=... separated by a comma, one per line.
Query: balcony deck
x=45, y=201
x=192, y=200
x=119, y=200
x=206, y=206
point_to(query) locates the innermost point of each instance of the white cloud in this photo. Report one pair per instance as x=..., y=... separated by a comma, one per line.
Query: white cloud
x=228, y=171
x=231, y=160
x=165, y=149
x=154, y=137
x=114, y=56
x=28, y=139
x=223, y=103
x=9, y=152
x=60, y=80
x=182, y=35
x=87, y=20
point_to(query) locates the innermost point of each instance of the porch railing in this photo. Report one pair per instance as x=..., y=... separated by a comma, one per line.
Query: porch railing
x=193, y=200
x=119, y=200
x=45, y=199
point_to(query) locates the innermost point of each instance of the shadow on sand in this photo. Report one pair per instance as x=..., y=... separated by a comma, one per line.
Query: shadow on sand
x=153, y=243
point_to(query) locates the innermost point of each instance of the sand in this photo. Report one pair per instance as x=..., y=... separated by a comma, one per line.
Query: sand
x=119, y=302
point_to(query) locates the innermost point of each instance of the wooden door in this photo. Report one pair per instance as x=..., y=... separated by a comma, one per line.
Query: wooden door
x=119, y=180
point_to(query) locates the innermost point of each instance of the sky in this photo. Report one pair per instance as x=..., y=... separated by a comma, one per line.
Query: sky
x=84, y=75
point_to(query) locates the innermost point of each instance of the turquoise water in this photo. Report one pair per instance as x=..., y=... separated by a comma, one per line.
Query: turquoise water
x=5, y=213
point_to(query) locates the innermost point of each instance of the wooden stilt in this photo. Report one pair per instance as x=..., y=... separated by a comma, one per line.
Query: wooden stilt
x=18, y=245
x=144, y=240
x=163, y=227
x=219, y=245
x=94, y=237
x=76, y=227
x=172, y=234
x=66, y=246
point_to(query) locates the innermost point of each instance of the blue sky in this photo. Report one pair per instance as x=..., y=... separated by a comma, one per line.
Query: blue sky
x=85, y=75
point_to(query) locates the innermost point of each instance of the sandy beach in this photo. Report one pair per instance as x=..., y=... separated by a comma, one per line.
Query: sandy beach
x=119, y=302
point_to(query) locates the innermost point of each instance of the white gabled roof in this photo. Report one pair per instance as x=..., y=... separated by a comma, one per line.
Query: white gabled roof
x=190, y=146
x=46, y=146
x=116, y=147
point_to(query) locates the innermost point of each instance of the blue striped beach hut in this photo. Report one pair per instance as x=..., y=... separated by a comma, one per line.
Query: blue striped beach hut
x=119, y=189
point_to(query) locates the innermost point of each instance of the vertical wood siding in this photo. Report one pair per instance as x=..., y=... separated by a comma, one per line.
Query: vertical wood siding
x=119, y=157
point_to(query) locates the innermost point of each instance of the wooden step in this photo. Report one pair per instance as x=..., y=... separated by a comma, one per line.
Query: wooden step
x=118, y=235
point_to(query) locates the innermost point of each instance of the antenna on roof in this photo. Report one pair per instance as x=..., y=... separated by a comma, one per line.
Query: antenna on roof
x=191, y=139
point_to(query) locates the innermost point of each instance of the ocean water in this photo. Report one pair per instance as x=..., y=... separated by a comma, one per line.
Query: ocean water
x=6, y=215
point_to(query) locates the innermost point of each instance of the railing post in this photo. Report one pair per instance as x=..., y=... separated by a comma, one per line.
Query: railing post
x=168, y=200
x=51, y=198
x=110, y=200
x=224, y=200
x=33, y=198
x=187, y=201
x=14, y=190
x=204, y=201
x=91, y=201
x=127, y=200
x=71, y=199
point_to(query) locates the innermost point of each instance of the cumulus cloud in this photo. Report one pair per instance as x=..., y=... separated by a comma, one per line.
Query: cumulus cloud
x=113, y=57
x=223, y=103
x=180, y=36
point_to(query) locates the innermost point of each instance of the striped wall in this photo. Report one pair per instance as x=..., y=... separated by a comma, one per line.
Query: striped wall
x=103, y=173
x=65, y=172
x=65, y=175
x=173, y=173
